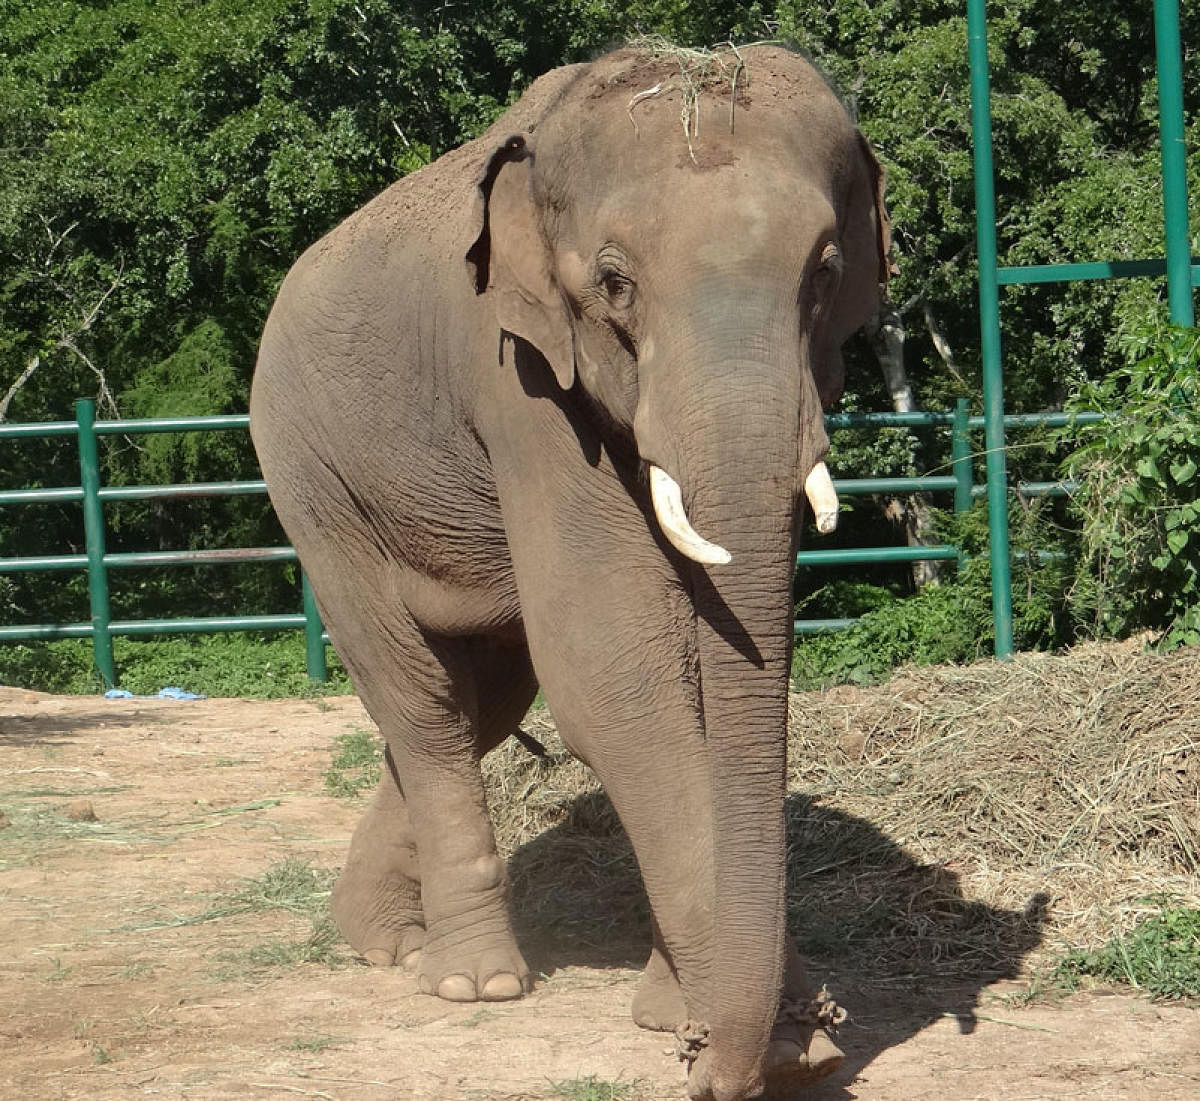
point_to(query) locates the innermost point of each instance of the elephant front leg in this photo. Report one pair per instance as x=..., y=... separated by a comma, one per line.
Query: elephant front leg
x=423, y=884
x=377, y=898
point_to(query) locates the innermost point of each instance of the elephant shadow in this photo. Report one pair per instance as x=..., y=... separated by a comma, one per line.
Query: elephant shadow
x=894, y=938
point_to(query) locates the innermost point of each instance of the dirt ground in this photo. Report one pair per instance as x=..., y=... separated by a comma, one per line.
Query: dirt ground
x=110, y=986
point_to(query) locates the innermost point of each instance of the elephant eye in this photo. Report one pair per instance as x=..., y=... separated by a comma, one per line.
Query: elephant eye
x=827, y=273
x=618, y=288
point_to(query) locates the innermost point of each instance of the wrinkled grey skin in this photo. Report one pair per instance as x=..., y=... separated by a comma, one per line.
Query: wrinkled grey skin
x=458, y=395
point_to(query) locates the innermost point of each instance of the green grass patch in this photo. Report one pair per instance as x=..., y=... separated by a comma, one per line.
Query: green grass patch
x=357, y=758
x=293, y=886
x=322, y=944
x=58, y=973
x=591, y=1088
x=138, y=969
x=244, y=665
x=29, y=822
x=313, y=1044
x=1161, y=956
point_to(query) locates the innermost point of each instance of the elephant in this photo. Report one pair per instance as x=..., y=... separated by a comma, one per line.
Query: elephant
x=548, y=411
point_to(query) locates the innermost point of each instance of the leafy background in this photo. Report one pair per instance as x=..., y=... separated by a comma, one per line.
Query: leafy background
x=165, y=162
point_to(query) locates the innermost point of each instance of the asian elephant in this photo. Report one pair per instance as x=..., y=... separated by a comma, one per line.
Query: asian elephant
x=546, y=412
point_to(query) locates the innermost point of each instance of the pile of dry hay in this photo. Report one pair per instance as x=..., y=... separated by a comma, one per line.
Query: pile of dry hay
x=954, y=820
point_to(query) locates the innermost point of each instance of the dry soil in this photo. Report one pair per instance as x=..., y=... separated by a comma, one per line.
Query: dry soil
x=125, y=822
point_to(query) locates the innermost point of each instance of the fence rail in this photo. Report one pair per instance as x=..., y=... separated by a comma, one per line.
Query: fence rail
x=97, y=562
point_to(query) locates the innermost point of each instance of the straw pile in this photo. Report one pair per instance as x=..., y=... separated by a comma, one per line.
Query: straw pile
x=954, y=820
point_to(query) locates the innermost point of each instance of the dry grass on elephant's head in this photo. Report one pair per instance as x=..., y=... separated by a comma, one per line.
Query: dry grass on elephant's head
x=692, y=72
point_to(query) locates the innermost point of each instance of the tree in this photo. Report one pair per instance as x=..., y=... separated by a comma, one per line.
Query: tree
x=165, y=163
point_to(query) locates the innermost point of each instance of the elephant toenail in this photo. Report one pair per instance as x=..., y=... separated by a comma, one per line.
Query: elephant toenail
x=379, y=957
x=822, y=1051
x=457, y=988
x=501, y=987
x=411, y=959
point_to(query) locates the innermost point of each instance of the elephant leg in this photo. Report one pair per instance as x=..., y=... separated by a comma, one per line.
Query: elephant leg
x=433, y=721
x=423, y=883
x=377, y=898
x=658, y=1004
x=630, y=711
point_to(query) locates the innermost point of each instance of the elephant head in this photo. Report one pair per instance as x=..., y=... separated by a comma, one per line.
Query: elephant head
x=692, y=255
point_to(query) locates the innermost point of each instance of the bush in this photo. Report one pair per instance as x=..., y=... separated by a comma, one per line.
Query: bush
x=1138, y=494
x=1161, y=956
x=250, y=666
x=952, y=622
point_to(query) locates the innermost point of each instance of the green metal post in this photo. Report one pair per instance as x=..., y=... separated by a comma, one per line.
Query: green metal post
x=1174, y=166
x=314, y=644
x=960, y=463
x=989, y=327
x=960, y=456
x=93, y=532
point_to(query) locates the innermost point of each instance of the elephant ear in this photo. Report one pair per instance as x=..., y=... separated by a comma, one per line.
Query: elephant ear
x=511, y=263
x=883, y=223
x=866, y=243
x=866, y=240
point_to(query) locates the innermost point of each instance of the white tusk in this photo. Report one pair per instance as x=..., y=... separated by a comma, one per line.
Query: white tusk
x=668, y=507
x=818, y=488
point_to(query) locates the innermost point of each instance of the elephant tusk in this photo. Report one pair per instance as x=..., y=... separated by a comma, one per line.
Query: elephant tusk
x=818, y=488
x=668, y=507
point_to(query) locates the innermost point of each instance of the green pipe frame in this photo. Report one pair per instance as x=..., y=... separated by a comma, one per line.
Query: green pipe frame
x=1181, y=273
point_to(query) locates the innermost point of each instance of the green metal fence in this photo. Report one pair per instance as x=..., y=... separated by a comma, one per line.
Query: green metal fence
x=92, y=494
x=1181, y=273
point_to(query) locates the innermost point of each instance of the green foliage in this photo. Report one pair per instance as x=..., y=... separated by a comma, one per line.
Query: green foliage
x=242, y=665
x=1138, y=495
x=357, y=757
x=944, y=623
x=591, y=1088
x=1160, y=956
x=927, y=629
x=165, y=163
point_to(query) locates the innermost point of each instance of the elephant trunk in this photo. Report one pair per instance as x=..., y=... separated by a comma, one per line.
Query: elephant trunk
x=744, y=644
x=741, y=476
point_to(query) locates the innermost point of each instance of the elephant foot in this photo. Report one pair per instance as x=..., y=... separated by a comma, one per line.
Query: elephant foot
x=495, y=973
x=801, y=1051
x=380, y=918
x=658, y=1004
